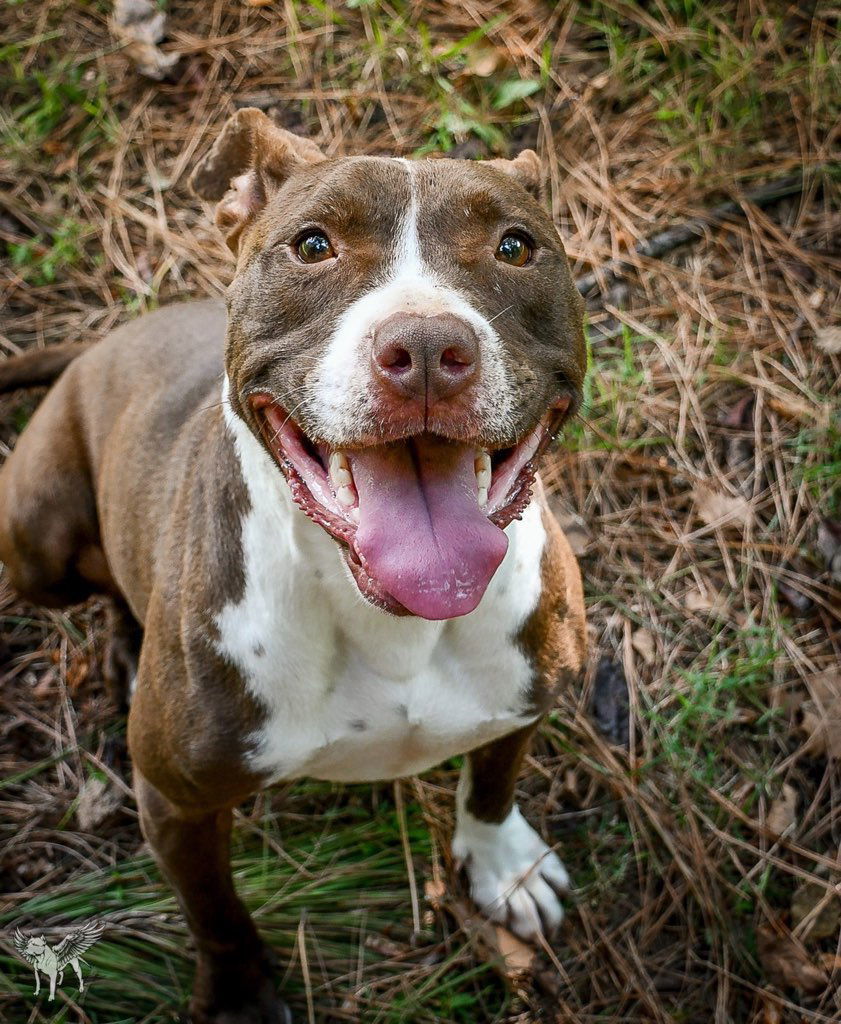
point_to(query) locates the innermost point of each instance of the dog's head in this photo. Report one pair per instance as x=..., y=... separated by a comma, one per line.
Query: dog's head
x=405, y=339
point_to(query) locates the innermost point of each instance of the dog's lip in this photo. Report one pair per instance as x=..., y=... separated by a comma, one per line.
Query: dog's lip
x=302, y=462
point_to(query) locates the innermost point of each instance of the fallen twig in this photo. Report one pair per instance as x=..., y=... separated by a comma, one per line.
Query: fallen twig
x=690, y=230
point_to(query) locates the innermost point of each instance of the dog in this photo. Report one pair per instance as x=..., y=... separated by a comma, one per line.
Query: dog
x=319, y=515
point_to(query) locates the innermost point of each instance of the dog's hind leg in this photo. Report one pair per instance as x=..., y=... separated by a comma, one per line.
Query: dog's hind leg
x=49, y=531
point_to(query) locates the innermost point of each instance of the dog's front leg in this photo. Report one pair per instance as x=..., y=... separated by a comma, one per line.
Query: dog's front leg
x=234, y=983
x=515, y=878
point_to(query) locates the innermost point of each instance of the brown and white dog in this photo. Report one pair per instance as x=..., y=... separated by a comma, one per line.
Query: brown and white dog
x=319, y=508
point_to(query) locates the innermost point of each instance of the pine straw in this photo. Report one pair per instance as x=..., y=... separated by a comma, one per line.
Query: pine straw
x=678, y=871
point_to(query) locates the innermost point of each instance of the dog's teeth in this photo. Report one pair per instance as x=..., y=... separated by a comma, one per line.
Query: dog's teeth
x=482, y=466
x=342, y=479
x=346, y=496
x=339, y=469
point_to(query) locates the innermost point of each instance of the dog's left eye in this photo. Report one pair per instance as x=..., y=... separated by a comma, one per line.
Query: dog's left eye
x=314, y=248
x=514, y=250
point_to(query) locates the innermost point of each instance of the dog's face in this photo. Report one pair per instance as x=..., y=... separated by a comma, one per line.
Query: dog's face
x=405, y=339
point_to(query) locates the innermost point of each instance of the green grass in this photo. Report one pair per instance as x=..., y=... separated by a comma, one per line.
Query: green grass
x=58, y=99
x=708, y=699
x=343, y=874
x=41, y=259
x=707, y=78
x=818, y=455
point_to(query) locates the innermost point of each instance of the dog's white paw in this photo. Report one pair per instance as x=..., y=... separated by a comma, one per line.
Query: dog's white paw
x=515, y=878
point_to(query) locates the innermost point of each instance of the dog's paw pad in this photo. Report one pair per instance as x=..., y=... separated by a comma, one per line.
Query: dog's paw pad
x=515, y=878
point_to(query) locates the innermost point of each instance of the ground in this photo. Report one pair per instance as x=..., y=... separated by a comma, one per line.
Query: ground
x=701, y=485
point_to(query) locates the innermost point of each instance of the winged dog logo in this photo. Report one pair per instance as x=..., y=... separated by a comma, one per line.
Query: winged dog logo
x=52, y=960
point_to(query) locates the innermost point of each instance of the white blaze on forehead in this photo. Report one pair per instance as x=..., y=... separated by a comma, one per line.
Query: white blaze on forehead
x=340, y=389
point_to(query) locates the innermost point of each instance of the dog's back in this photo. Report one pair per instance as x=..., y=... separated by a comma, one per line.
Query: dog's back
x=100, y=441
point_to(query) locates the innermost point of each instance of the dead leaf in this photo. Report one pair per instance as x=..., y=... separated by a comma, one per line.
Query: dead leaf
x=785, y=963
x=821, y=720
x=611, y=705
x=642, y=642
x=828, y=339
x=579, y=540
x=811, y=725
x=482, y=61
x=783, y=812
x=435, y=893
x=716, y=508
x=831, y=961
x=806, y=900
x=388, y=947
x=786, y=698
x=829, y=545
x=771, y=1012
x=518, y=957
x=697, y=601
x=98, y=801
x=510, y=957
x=259, y=3
x=77, y=672
x=140, y=26
x=816, y=298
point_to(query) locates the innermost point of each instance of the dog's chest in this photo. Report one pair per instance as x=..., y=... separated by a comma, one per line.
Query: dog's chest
x=400, y=698
x=370, y=725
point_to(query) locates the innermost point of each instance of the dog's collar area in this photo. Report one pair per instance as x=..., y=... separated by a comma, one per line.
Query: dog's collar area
x=420, y=520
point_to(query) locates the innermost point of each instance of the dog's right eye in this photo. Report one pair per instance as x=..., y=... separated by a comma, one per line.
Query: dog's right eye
x=314, y=247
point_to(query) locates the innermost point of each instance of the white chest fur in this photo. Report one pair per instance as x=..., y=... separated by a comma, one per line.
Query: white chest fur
x=352, y=693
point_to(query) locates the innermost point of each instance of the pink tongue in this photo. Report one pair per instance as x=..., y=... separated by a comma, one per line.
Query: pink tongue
x=421, y=532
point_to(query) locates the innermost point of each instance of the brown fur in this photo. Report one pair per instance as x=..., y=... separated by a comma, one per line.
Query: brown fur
x=554, y=637
x=38, y=368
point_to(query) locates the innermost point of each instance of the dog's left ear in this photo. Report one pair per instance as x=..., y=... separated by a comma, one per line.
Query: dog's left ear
x=525, y=168
x=251, y=158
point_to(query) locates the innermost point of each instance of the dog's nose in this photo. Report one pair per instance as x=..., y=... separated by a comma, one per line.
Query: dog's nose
x=427, y=357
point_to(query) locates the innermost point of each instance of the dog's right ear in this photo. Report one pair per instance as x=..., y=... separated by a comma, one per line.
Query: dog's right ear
x=251, y=157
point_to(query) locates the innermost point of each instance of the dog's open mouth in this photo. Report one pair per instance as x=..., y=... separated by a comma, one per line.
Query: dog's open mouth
x=420, y=520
